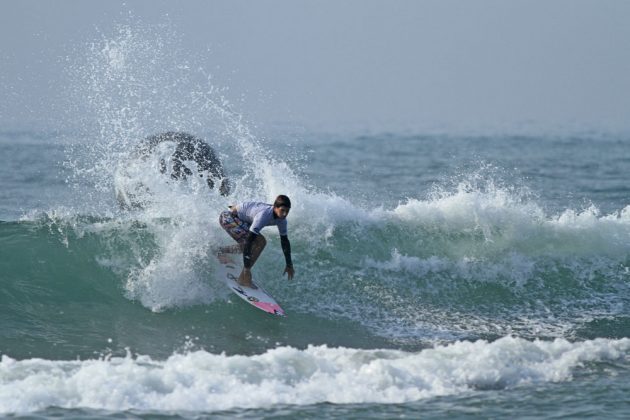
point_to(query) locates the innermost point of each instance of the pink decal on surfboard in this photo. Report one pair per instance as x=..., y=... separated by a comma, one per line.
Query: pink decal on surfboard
x=272, y=308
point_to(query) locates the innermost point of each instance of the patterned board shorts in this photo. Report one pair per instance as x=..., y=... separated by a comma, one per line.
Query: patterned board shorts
x=234, y=226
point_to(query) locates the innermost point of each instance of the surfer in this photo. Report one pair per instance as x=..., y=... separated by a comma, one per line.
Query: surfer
x=244, y=221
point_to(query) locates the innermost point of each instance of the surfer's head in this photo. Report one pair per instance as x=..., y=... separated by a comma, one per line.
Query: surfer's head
x=281, y=206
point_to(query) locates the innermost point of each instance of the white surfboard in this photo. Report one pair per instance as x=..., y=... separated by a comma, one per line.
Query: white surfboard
x=229, y=270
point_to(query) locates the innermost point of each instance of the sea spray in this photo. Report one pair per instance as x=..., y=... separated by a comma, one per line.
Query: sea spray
x=135, y=83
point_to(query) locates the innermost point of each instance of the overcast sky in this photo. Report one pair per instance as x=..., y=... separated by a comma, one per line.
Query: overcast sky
x=384, y=65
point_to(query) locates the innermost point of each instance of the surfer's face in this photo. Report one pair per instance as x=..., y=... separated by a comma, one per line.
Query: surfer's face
x=281, y=212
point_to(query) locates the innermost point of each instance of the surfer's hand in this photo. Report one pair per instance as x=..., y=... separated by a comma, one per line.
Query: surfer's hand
x=289, y=271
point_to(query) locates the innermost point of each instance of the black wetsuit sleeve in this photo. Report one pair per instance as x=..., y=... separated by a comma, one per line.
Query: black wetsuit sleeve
x=247, y=251
x=286, y=249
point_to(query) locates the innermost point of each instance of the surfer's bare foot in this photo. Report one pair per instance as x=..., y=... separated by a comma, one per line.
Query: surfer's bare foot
x=249, y=285
x=245, y=279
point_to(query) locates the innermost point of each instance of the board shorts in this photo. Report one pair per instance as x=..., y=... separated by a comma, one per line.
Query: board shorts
x=234, y=226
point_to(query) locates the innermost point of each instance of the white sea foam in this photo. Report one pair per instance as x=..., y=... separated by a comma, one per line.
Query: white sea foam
x=201, y=381
x=508, y=223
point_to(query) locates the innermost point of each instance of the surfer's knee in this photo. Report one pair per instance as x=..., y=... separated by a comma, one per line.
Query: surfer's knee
x=261, y=242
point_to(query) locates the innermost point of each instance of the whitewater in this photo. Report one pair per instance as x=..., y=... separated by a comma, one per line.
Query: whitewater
x=437, y=274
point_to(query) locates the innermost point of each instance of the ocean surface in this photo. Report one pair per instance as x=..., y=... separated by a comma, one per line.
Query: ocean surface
x=459, y=275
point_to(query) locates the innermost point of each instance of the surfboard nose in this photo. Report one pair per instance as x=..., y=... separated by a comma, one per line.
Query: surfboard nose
x=272, y=308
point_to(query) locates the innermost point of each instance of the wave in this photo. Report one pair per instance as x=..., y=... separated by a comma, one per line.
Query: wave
x=472, y=263
x=207, y=382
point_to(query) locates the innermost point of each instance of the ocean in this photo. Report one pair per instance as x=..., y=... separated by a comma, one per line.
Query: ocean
x=438, y=274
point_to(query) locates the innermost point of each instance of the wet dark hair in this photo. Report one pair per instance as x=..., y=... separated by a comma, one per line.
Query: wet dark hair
x=282, y=201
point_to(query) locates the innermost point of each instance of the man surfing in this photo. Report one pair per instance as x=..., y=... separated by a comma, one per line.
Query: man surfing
x=244, y=221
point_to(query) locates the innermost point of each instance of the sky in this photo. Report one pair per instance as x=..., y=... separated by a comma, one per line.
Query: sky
x=378, y=65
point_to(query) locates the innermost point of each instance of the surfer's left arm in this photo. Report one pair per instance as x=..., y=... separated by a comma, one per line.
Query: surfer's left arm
x=286, y=250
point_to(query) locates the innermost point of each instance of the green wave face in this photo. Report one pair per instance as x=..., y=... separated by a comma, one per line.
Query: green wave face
x=419, y=273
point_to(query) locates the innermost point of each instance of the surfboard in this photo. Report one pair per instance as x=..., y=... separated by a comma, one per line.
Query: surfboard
x=228, y=272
